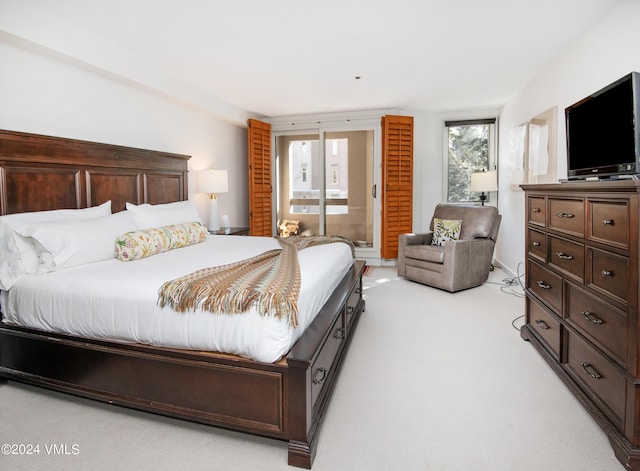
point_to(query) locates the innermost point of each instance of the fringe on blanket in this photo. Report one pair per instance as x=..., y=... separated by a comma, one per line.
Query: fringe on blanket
x=270, y=281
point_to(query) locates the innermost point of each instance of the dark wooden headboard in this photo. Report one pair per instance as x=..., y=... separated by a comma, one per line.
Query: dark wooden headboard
x=40, y=173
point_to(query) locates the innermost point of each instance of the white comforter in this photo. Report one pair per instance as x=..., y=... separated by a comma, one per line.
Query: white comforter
x=118, y=300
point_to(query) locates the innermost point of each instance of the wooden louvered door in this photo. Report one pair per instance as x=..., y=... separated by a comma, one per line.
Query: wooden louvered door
x=397, y=181
x=260, y=179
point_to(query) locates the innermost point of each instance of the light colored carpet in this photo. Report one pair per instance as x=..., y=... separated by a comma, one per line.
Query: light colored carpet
x=433, y=381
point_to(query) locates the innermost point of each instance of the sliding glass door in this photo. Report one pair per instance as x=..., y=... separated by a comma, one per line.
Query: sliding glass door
x=299, y=184
x=349, y=185
x=326, y=184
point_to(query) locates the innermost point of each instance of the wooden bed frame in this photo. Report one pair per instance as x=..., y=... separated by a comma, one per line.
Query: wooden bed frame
x=284, y=400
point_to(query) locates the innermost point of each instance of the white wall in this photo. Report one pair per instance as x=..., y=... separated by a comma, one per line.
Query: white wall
x=427, y=167
x=608, y=51
x=44, y=95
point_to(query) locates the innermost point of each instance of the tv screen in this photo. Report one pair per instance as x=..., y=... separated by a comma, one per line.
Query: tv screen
x=602, y=138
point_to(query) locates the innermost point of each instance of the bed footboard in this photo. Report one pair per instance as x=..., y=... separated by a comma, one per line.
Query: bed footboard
x=284, y=400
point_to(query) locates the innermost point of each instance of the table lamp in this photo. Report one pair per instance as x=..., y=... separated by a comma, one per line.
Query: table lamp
x=211, y=182
x=484, y=181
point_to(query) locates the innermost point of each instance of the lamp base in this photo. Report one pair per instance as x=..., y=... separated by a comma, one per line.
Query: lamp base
x=483, y=198
x=214, y=219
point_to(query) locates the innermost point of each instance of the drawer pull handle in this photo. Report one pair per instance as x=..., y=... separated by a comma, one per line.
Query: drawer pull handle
x=607, y=222
x=590, y=317
x=606, y=273
x=564, y=215
x=590, y=370
x=536, y=210
x=564, y=256
x=324, y=375
x=542, y=324
x=339, y=335
x=536, y=244
x=543, y=285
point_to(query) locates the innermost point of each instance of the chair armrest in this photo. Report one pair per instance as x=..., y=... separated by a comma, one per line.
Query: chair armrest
x=410, y=239
x=467, y=262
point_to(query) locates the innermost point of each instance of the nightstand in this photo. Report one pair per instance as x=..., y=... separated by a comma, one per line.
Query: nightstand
x=231, y=231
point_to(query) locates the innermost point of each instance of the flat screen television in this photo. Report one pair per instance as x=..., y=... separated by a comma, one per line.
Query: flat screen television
x=603, y=135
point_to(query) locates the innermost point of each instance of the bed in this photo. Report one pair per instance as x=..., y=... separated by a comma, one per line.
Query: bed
x=281, y=391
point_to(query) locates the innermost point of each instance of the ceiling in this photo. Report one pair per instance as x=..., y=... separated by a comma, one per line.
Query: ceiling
x=288, y=57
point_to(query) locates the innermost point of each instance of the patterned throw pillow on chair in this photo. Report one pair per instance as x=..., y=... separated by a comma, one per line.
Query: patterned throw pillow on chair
x=444, y=230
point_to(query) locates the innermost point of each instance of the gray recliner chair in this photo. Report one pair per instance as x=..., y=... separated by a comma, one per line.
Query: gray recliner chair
x=458, y=264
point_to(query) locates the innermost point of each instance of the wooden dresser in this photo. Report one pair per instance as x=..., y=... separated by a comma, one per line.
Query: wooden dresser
x=582, y=254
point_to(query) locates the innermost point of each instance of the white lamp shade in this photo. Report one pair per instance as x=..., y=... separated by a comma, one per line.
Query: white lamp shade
x=484, y=181
x=213, y=181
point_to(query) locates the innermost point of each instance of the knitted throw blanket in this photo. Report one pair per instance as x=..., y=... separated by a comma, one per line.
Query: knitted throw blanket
x=271, y=280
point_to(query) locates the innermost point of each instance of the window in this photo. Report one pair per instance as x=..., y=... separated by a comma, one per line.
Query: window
x=470, y=147
x=303, y=158
x=334, y=175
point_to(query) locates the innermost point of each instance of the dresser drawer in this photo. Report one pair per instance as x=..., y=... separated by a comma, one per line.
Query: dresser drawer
x=545, y=325
x=567, y=215
x=536, y=210
x=321, y=368
x=602, y=323
x=598, y=375
x=610, y=273
x=537, y=244
x=546, y=285
x=609, y=222
x=567, y=256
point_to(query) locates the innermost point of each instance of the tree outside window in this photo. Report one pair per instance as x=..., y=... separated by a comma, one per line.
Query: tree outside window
x=470, y=149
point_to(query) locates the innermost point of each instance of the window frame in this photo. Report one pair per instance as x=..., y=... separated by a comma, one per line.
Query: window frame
x=492, y=161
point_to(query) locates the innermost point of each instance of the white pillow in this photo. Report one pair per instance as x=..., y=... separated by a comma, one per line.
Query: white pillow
x=67, y=244
x=18, y=254
x=148, y=216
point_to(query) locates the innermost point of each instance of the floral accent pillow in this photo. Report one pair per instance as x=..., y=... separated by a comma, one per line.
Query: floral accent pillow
x=135, y=245
x=445, y=230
